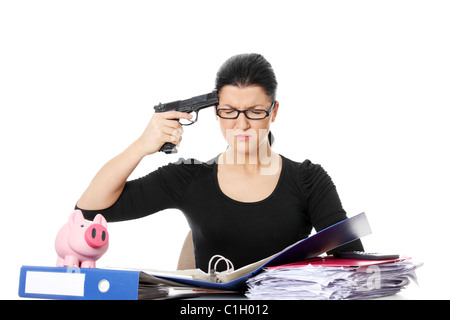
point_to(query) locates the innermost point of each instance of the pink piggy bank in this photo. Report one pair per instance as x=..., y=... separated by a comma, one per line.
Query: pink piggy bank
x=80, y=243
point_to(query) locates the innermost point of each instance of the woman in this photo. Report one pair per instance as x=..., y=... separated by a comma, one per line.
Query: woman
x=247, y=203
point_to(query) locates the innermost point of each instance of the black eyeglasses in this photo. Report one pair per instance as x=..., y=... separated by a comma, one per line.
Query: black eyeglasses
x=252, y=114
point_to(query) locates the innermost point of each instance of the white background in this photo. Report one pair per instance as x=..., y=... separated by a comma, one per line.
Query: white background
x=362, y=88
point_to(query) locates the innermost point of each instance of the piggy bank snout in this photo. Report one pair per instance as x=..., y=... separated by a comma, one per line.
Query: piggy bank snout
x=96, y=236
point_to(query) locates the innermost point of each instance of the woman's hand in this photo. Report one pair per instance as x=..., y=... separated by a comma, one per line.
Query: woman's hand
x=162, y=128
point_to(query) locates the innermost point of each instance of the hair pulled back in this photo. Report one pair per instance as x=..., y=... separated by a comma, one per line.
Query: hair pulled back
x=248, y=69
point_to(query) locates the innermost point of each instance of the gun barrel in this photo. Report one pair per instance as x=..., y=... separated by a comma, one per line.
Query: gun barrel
x=189, y=105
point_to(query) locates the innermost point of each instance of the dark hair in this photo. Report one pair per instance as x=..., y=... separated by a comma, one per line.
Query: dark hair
x=248, y=69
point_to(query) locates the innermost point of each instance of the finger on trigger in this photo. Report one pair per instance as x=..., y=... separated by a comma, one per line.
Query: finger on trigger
x=177, y=115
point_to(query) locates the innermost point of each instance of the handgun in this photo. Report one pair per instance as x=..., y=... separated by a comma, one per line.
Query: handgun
x=192, y=105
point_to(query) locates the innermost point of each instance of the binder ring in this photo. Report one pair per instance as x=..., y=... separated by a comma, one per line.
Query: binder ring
x=230, y=267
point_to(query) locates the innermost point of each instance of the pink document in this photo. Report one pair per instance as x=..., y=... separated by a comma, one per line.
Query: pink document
x=330, y=261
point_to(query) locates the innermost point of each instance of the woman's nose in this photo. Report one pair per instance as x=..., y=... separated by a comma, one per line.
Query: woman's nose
x=242, y=122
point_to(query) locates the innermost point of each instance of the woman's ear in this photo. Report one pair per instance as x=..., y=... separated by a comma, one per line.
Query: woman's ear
x=275, y=111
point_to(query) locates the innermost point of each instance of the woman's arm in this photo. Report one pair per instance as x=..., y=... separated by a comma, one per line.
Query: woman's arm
x=108, y=183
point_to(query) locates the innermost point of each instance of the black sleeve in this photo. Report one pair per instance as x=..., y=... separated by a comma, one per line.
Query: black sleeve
x=159, y=190
x=323, y=202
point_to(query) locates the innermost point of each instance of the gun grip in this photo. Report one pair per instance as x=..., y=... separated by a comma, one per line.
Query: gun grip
x=168, y=148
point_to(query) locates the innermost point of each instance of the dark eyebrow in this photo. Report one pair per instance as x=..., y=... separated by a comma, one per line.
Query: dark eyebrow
x=252, y=107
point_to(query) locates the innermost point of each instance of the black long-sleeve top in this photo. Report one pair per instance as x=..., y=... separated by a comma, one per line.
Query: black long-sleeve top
x=304, y=198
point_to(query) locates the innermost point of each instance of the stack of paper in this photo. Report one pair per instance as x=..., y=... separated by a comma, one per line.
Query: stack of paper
x=332, y=282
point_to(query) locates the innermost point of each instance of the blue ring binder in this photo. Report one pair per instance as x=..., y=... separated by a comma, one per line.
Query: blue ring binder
x=96, y=284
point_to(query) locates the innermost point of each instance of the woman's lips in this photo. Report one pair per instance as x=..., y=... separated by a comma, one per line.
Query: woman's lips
x=242, y=137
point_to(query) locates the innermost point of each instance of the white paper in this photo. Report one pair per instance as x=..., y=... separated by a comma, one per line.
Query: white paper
x=332, y=283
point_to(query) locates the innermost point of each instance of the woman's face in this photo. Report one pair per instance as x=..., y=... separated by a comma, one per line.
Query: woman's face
x=244, y=135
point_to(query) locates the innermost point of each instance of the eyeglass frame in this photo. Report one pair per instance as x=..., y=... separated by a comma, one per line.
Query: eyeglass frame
x=245, y=112
x=239, y=112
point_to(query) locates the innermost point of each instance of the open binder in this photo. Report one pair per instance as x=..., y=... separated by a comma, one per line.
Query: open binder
x=325, y=240
x=76, y=283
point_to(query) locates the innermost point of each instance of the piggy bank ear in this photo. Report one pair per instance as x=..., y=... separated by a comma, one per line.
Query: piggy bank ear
x=76, y=218
x=100, y=220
